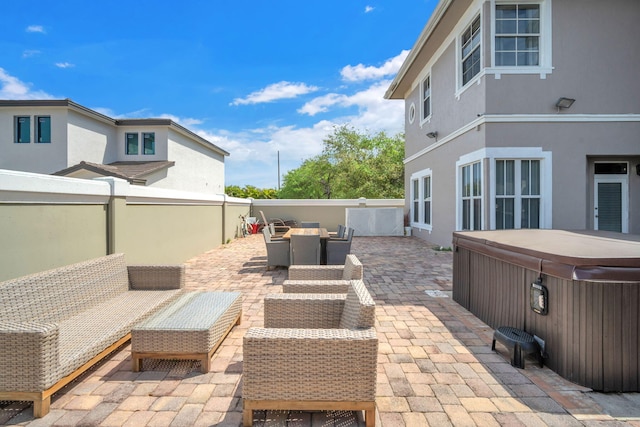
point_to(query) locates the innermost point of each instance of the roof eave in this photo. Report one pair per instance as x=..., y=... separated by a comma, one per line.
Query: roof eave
x=438, y=12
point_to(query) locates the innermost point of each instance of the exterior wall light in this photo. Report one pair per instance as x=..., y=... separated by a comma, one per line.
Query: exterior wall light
x=564, y=103
x=539, y=297
x=433, y=135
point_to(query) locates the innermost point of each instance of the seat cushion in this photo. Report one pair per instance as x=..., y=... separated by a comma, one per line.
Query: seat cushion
x=88, y=333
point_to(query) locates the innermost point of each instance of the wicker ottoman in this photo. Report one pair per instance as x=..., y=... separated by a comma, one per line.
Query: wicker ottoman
x=192, y=327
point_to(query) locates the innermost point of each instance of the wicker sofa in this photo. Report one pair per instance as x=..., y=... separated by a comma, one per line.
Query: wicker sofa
x=315, y=352
x=323, y=278
x=56, y=324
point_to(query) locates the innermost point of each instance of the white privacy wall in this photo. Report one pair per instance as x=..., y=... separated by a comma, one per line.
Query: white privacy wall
x=376, y=221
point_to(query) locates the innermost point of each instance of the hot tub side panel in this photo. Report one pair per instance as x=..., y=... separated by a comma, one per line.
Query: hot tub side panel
x=591, y=332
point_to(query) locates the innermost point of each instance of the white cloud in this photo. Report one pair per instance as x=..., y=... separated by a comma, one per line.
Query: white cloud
x=35, y=29
x=64, y=65
x=273, y=92
x=253, y=159
x=361, y=72
x=12, y=88
x=30, y=52
x=368, y=9
x=321, y=104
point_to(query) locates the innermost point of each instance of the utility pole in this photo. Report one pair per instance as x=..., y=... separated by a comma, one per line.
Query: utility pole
x=278, y=170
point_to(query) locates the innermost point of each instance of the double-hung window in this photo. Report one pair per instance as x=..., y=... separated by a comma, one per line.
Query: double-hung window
x=22, y=129
x=426, y=200
x=470, y=51
x=149, y=143
x=471, y=180
x=426, y=97
x=131, y=143
x=421, y=205
x=517, y=35
x=43, y=129
x=518, y=195
x=133, y=146
x=415, y=183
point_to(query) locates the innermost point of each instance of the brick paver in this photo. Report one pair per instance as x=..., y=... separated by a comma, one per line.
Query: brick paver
x=436, y=366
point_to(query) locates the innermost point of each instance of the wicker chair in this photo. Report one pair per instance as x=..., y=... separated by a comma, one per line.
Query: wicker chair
x=332, y=279
x=305, y=249
x=338, y=249
x=278, y=226
x=277, y=250
x=310, y=224
x=338, y=234
x=316, y=352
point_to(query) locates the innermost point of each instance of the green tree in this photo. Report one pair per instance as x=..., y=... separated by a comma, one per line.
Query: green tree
x=251, y=191
x=351, y=165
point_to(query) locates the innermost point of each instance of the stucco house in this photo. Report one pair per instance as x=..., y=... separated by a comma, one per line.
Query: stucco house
x=61, y=137
x=523, y=114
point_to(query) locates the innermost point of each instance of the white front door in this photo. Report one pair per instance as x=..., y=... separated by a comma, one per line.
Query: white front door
x=611, y=203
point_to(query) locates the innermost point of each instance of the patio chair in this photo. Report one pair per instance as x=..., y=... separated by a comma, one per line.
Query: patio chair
x=309, y=224
x=305, y=249
x=338, y=234
x=338, y=249
x=332, y=279
x=277, y=251
x=277, y=225
x=316, y=352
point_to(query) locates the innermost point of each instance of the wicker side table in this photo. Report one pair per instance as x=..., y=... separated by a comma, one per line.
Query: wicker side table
x=191, y=328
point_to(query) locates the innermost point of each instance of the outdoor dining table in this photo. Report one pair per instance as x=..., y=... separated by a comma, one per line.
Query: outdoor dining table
x=322, y=232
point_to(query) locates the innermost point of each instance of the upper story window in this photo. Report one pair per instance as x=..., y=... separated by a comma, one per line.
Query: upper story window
x=517, y=35
x=131, y=142
x=22, y=129
x=43, y=129
x=470, y=51
x=149, y=143
x=426, y=97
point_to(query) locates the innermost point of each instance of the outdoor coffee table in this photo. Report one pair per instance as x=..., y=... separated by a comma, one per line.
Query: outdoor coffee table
x=190, y=328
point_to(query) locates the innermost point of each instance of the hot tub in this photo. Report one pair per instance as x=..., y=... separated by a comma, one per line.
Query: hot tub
x=589, y=318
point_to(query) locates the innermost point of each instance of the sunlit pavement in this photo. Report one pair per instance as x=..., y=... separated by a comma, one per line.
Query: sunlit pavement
x=435, y=365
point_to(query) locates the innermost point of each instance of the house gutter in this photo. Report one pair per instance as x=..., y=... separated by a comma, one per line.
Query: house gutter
x=437, y=14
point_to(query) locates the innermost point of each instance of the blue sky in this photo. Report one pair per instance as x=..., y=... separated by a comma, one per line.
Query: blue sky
x=255, y=77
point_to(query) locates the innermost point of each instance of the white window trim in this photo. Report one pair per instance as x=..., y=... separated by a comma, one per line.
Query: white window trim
x=546, y=181
x=468, y=19
x=546, y=54
x=420, y=175
x=427, y=119
x=468, y=159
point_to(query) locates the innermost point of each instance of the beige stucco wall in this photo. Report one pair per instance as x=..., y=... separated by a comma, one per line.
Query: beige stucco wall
x=329, y=213
x=151, y=234
x=40, y=237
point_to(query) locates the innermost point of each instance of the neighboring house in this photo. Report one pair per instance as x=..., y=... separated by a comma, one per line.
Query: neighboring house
x=494, y=138
x=61, y=137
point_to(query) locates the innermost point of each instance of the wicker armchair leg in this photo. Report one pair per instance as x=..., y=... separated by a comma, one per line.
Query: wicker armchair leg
x=41, y=407
x=249, y=405
x=41, y=400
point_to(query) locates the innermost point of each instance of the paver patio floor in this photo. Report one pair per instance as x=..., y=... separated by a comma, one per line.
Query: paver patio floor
x=435, y=365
